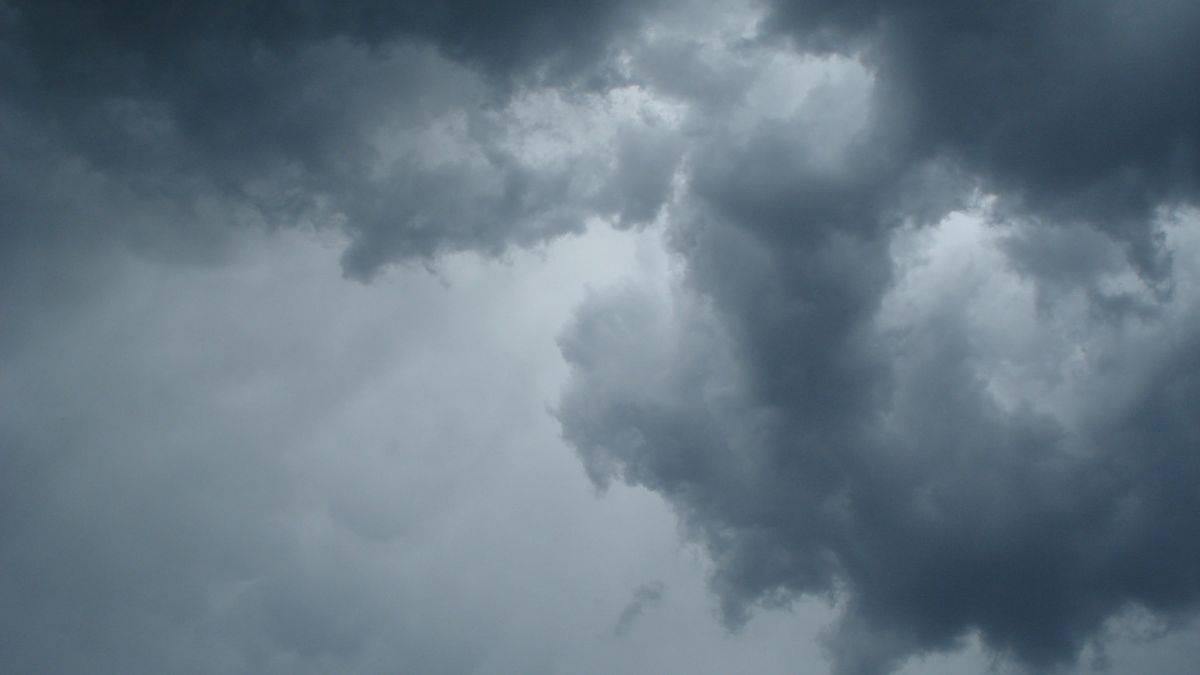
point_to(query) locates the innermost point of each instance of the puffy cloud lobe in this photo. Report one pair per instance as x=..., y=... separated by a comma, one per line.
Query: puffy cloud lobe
x=166, y=126
x=1008, y=450
x=1071, y=111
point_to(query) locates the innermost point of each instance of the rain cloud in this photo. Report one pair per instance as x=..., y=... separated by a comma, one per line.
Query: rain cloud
x=315, y=329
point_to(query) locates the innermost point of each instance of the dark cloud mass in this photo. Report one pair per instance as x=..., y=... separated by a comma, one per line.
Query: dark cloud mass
x=930, y=348
x=1072, y=110
x=828, y=435
x=161, y=125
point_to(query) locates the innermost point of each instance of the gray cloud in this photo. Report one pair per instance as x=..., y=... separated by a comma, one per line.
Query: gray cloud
x=264, y=467
x=644, y=596
x=1068, y=111
x=163, y=127
x=928, y=352
x=832, y=414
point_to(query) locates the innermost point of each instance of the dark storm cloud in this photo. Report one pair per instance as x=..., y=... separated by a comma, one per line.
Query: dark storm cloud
x=165, y=126
x=834, y=406
x=818, y=447
x=1072, y=111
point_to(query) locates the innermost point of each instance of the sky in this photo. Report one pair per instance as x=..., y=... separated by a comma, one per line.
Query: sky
x=668, y=336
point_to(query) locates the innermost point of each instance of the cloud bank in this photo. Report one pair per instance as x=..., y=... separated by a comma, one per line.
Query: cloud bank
x=929, y=349
x=163, y=126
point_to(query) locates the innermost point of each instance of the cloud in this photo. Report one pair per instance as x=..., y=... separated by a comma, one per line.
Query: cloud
x=927, y=351
x=932, y=361
x=643, y=596
x=1067, y=111
x=165, y=127
x=263, y=467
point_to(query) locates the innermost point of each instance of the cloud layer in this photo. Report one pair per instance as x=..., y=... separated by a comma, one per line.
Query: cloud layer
x=928, y=351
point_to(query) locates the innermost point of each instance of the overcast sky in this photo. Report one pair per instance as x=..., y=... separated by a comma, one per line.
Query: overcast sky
x=600, y=336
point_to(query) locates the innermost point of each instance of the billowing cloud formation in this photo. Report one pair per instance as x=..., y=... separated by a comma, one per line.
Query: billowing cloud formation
x=930, y=352
x=861, y=390
x=163, y=125
x=1077, y=111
